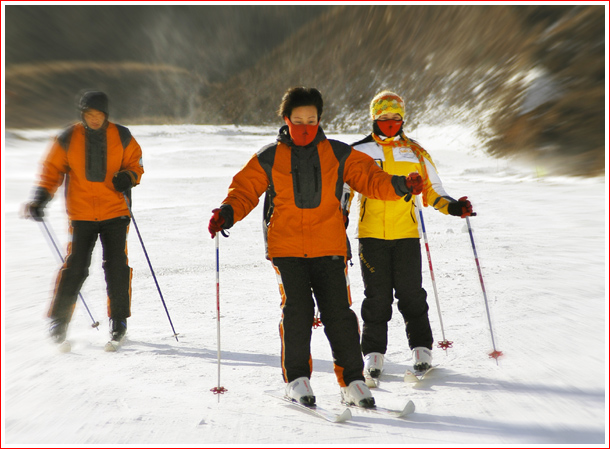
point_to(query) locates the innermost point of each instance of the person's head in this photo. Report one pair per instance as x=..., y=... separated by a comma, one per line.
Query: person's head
x=299, y=97
x=301, y=109
x=93, y=107
x=387, y=112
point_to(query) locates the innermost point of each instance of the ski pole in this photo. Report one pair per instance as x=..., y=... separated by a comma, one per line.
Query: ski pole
x=218, y=389
x=445, y=343
x=52, y=240
x=495, y=353
x=150, y=266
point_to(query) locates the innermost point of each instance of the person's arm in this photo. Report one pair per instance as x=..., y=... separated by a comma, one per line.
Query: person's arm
x=54, y=167
x=132, y=168
x=245, y=189
x=438, y=197
x=365, y=176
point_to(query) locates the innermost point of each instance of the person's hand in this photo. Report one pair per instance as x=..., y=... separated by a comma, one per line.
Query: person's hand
x=33, y=211
x=219, y=221
x=461, y=208
x=415, y=183
x=122, y=181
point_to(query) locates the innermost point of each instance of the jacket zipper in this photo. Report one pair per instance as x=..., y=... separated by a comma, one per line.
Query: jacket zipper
x=363, y=209
x=298, y=181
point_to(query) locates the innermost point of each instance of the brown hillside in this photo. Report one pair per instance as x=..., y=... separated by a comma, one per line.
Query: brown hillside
x=530, y=79
x=469, y=64
x=434, y=56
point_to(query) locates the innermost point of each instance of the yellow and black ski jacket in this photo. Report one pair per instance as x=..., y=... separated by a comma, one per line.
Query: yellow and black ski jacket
x=391, y=220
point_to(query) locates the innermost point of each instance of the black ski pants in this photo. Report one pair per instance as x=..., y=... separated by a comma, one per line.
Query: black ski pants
x=326, y=278
x=84, y=234
x=392, y=267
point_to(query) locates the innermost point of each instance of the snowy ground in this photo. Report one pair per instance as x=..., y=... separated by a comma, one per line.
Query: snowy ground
x=542, y=243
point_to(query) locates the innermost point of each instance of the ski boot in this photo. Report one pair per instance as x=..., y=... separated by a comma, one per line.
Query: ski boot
x=58, y=331
x=357, y=393
x=373, y=364
x=118, y=328
x=422, y=358
x=299, y=390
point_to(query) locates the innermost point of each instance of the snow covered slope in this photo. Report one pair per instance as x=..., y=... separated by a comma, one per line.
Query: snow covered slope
x=542, y=243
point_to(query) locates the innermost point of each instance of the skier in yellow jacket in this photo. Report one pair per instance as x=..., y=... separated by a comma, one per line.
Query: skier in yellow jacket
x=389, y=248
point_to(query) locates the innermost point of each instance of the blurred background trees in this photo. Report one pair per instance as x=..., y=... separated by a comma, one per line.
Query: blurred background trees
x=530, y=79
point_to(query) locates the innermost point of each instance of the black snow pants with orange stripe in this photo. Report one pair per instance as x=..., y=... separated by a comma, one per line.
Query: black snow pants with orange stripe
x=326, y=278
x=113, y=235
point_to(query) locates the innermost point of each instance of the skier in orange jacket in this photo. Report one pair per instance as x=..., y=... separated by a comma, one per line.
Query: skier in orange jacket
x=303, y=174
x=100, y=162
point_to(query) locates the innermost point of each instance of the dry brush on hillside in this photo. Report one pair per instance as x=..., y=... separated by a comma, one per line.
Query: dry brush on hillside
x=529, y=79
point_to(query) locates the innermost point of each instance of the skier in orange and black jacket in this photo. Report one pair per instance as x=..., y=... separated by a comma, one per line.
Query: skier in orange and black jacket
x=100, y=162
x=303, y=174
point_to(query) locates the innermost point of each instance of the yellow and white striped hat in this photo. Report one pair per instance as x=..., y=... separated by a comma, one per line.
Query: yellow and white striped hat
x=387, y=102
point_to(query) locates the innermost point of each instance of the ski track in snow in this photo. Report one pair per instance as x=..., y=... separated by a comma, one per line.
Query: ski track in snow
x=542, y=244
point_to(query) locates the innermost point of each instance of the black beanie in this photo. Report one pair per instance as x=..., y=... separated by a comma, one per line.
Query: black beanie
x=94, y=100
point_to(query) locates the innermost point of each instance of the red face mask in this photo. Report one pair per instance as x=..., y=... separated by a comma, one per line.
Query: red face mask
x=302, y=135
x=389, y=128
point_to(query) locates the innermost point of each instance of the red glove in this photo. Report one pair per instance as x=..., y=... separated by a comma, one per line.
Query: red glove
x=216, y=222
x=415, y=183
x=461, y=208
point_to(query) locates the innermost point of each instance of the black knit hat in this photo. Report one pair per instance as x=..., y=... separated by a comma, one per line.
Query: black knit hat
x=94, y=100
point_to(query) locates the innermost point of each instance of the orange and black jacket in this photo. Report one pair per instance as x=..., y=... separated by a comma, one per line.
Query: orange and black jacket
x=303, y=215
x=88, y=159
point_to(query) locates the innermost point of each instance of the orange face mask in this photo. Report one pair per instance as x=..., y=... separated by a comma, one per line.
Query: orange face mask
x=302, y=135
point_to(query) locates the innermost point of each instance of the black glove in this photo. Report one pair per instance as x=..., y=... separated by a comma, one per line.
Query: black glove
x=122, y=181
x=222, y=218
x=461, y=208
x=35, y=208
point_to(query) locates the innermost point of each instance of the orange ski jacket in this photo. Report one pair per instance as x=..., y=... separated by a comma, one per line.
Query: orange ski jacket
x=304, y=185
x=88, y=160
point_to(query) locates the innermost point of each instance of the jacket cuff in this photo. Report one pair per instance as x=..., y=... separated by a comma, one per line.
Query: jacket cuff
x=226, y=210
x=42, y=196
x=400, y=185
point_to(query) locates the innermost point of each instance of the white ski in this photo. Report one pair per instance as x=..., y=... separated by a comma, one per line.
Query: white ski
x=415, y=376
x=64, y=346
x=112, y=346
x=371, y=382
x=316, y=410
x=396, y=413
